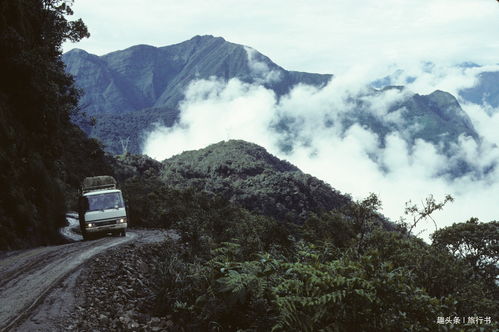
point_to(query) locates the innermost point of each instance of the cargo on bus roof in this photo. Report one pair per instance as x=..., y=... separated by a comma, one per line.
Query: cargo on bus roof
x=98, y=183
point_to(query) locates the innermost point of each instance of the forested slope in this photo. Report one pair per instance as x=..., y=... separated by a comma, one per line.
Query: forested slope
x=42, y=155
x=246, y=174
x=237, y=266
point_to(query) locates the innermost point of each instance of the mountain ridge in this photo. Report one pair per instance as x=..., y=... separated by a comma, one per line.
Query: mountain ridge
x=247, y=174
x=130, y=91
x=144, y=76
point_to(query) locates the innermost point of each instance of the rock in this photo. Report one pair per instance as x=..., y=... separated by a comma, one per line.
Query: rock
x=155, y=321
x=144, y=268
x=116, y=292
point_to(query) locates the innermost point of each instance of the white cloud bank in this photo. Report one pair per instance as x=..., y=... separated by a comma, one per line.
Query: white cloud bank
x=349, y=158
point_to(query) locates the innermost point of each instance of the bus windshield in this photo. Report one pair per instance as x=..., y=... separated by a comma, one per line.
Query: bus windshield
x=105, y=201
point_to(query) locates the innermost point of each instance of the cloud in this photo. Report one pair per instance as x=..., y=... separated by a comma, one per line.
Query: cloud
x=328, y=36
x=485, y=119
x=260, y=71
x=214, y=110
x=350, y=157
x=426, y=77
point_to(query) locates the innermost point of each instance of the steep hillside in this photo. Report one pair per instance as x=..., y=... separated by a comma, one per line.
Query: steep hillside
x=144, y=76
x=437, y=118
x=439, y=114
x=247, y=174
x=245, y=271
x=42, y=155
x=128, y=91
x=125, y=132
x=486, y=91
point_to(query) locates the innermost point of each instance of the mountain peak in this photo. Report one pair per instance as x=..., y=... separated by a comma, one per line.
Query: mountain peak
x=239, y=153
x=77, y=51
x=248, y=175
x=443, y=98
x=205, y=37
x=144, y=76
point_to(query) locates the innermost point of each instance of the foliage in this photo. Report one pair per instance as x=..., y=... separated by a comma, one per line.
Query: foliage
x=475, y=243
x=42, y=155
x=418, y=214
x=351, y=295
x=309, y=293
x=129, y=128
x=320, y=279
x=202, y=219
x=127, y=166
x=441, y=274
x=332, y=228
x=248, y=175
x=365, y=218
x=347, y=269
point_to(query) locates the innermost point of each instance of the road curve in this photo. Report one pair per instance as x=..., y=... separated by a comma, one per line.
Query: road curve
x=27, y=276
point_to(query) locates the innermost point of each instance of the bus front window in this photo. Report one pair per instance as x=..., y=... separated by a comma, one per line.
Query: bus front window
x=105, y=201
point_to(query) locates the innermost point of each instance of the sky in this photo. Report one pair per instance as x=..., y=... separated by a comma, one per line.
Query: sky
x=356, y=41
x=311, y=36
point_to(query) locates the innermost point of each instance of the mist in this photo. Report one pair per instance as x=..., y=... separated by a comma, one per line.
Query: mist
x=307, y=127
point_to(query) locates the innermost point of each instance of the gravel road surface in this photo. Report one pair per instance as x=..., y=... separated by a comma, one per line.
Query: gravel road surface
x=28, y=278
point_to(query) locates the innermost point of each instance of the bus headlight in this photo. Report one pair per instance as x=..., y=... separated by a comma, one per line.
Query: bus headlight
x=121, y=220
x=89, y=225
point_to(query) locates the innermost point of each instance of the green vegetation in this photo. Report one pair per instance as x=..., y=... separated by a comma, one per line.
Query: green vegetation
x=42, y=155
x=263, y=246
x=246, y=174
x=236, y=269
x=125, y=132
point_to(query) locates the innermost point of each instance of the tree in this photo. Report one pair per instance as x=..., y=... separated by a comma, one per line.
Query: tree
x=474, y=242
x=365, y=218
x=423, y=213
x=36, y=100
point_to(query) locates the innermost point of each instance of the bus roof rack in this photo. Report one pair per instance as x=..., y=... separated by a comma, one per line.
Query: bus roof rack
x=98, y=183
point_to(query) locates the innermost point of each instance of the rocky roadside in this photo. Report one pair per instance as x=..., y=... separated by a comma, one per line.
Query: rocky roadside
x=116, y=292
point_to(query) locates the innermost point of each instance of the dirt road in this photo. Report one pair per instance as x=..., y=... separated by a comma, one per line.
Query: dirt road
x=27, y=277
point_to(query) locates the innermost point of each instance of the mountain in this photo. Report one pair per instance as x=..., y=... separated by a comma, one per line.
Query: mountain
x=436, y=118
x=144, y=76
x=485, y=91
x=129, y=92
x=144, y=84
x=246, y=174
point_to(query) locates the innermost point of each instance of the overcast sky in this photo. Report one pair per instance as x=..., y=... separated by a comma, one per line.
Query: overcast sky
x=313, y=36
